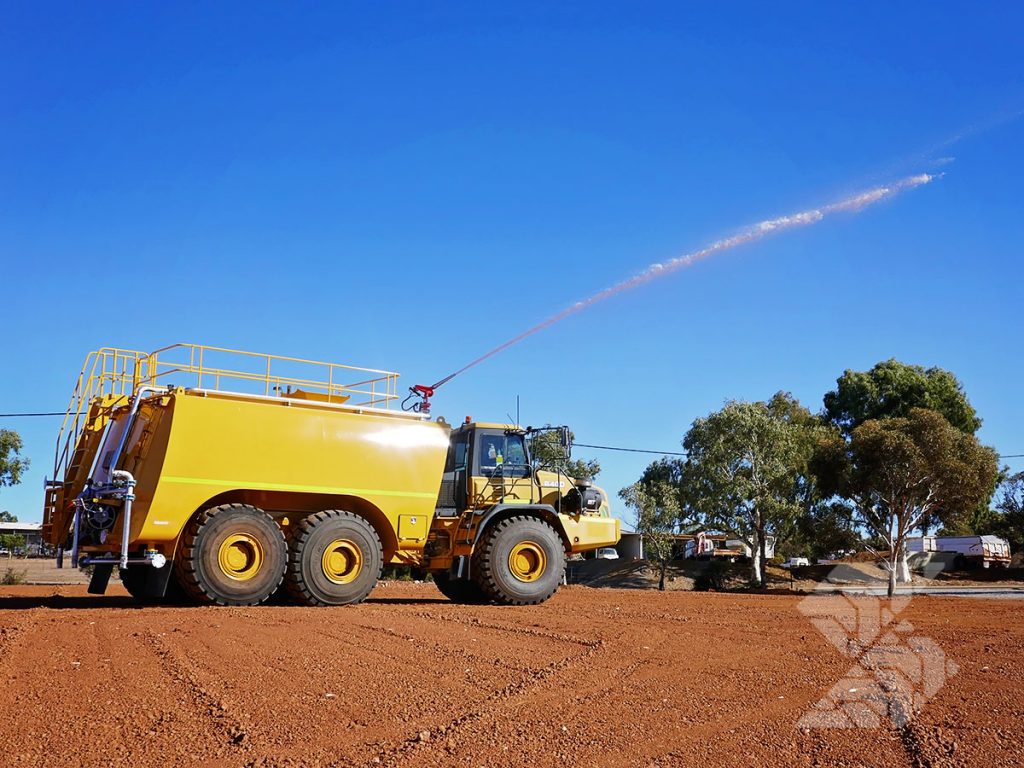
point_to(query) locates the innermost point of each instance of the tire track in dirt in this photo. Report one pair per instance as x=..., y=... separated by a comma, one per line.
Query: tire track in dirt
x=926, y=748
x=395, y=754
x=528, y=680
x=433, y=646
x=207, y=705
x=472, y=621
x=432, y=619
x=612, y=675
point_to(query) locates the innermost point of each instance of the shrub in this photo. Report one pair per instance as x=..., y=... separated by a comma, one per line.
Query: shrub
x=13, y=576
x=714, y=577
x=401, y=573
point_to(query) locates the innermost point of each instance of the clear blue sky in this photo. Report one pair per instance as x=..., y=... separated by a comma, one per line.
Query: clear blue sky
x=404, y=186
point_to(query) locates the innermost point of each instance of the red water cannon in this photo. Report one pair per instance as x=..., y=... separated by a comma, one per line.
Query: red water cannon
x=420, y=394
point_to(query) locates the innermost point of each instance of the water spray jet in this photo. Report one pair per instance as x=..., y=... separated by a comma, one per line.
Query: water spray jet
x=419, y=395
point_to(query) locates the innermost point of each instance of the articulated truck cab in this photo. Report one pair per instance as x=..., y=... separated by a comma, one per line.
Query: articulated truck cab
x=223, y=476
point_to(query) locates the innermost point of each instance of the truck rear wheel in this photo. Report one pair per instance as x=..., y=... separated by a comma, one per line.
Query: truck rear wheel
x=335, y=559
x=459, y=590
x=233, y=554
x=519, y=561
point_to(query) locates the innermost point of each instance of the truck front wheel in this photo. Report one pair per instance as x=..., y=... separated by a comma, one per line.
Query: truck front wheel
x=519, y=561
x=335, y=559
x=233, y=554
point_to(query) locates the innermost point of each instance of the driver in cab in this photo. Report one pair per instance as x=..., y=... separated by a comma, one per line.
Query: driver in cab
x=490, y=455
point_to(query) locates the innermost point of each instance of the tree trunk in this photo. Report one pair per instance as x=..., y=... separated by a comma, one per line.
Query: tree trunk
x=755, y=571
x=755, y=562
x=762, y=557
x=661, y=580
x=892, y=574
x=905, y=576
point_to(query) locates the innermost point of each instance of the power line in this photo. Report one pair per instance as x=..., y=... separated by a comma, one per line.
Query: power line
x=628, y=450
x=18, y=415
x=619, y=448
x=676, y=453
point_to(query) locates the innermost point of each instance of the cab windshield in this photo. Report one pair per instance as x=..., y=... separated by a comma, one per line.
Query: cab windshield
x=506, y=453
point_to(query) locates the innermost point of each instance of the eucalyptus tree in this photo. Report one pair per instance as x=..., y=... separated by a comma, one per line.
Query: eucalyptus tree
x=12, y=464
x=898, y=471
x=656, y=500
x=747, y=471
x=892, y=389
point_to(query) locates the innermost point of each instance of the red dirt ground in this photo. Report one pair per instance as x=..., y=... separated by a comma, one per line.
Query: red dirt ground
x=593, y=677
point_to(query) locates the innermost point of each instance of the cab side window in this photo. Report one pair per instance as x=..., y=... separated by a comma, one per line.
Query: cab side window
x=457, y=454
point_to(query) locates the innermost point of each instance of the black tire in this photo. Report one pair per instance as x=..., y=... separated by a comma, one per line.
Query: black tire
x=233, y=554
x=145, y=584
x=335, y=558
x=459, y=590
x=493, y=566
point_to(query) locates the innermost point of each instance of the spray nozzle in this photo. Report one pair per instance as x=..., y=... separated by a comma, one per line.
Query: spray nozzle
x=420, y=395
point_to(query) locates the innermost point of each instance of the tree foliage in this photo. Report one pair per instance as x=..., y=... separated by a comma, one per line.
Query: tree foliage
x=747, y=471
x=10, y=541
x=892, y=389
x=12, y=464
x=547, y=451
x=900, y=470
x=1007, y=519
x=828, y=528
x=655, y=498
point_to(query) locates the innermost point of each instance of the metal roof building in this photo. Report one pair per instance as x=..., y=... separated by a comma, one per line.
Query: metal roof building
x=33, y=533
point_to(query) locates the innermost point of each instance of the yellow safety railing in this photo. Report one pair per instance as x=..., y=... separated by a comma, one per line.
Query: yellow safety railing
x=107, y=372
x=110, y=373
x=257, y=373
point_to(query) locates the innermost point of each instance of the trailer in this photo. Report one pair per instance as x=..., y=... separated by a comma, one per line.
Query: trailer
x=984, y=551
x=706, y=546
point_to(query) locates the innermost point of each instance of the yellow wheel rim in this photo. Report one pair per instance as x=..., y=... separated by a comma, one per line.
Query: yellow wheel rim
x=527, y=561
x=342, y=561
x=240, y=556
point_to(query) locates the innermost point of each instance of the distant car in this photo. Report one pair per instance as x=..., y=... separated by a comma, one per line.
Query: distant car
x=607, y=553
x=796, y=562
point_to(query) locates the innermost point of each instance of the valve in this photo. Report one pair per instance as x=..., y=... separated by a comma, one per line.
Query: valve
x=420, y=394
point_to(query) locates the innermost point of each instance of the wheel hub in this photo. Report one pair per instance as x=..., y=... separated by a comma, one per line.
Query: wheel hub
x=527, y=561
x=342, y=561
x=240, y=556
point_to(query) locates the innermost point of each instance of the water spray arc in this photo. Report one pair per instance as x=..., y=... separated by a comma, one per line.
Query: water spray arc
x=419, y=395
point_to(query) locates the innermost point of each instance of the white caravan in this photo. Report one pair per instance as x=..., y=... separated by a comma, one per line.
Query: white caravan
x=977, y=550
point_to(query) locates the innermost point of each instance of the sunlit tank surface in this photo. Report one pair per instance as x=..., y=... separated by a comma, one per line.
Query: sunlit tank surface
x=284, y=457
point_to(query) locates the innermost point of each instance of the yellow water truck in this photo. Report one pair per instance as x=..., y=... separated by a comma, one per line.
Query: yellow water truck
x=223, y=477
